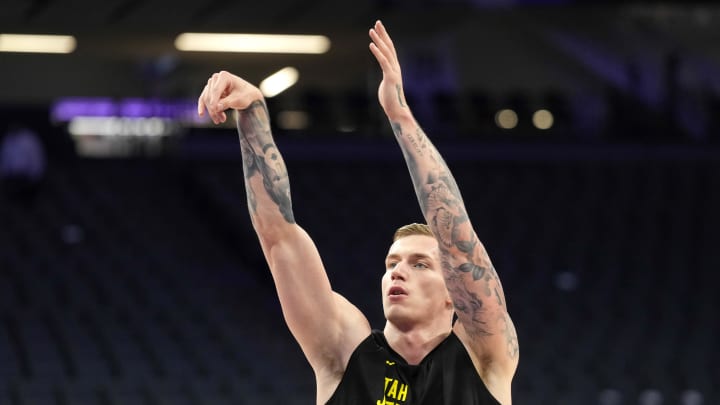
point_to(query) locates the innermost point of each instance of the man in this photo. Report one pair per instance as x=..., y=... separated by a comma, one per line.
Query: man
x=432, y=272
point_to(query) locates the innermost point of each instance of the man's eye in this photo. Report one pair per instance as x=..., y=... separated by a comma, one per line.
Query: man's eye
x=421, y=265
x=391, y=265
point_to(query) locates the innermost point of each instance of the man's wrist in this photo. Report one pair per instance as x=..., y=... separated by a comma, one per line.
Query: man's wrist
x=403, y=116
x=257, y=96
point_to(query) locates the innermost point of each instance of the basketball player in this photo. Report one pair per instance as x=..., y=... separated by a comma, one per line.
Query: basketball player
x=432, y=271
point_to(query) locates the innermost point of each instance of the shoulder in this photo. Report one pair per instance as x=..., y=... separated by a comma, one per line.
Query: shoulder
x=496, y=370
x=496, y=351
x=337, y=375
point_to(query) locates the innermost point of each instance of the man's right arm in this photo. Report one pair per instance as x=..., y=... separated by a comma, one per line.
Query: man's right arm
x=326, y=326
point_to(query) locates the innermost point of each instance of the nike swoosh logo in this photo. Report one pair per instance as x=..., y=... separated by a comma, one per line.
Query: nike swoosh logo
x=389, y=363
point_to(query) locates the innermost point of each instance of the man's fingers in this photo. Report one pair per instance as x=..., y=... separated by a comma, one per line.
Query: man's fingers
x=214, y=89
x=382, y=60
x=237, y=98
x=380, y=28
x=385, y=37
x=203, y=105
x=382, y=46
x=200, y=107
x=225, y=91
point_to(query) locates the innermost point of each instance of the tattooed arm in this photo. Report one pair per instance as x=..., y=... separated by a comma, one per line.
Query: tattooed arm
x=474, y=286
x=327, y=327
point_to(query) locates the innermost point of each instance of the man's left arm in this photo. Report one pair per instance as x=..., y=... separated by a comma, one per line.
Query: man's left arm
x=470, y=277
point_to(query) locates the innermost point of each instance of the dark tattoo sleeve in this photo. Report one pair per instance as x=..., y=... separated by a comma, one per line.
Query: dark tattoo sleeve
x=261, y=157
x=470, y=277
x=249, y=170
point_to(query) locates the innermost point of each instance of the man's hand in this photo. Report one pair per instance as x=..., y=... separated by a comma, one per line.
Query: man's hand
x=390, y=92
x=224, y=90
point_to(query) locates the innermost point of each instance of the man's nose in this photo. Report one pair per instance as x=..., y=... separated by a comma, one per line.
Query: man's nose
x=399, y=272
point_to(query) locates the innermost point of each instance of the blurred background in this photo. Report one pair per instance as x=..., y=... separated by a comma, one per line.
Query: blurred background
x=583, y=134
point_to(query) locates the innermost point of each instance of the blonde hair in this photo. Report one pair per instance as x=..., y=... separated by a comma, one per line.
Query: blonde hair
x=412, y=229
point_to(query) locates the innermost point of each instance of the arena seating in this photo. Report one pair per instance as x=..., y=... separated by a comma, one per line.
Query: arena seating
x=141, y=281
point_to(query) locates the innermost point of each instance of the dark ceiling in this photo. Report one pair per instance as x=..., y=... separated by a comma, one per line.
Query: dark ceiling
x=125, y=47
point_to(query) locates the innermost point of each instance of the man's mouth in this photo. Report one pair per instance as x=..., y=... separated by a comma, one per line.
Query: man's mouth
x=397, y=291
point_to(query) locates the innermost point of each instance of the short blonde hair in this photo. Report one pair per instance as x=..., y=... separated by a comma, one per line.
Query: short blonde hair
x=412, y=229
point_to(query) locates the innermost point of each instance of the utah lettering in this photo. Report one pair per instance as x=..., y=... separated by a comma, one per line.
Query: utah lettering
x=395, y=392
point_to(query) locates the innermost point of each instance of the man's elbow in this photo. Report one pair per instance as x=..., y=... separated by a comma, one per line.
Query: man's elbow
x=271, y=232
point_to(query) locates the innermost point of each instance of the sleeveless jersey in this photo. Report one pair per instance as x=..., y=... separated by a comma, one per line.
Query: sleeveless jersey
x=376, y=375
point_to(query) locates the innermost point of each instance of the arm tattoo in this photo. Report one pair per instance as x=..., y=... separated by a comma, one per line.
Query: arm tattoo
x=510, y=334
x=466, y=301
x=477, y=271
x=397, y=129
x=261, y=156
x=499, y=300
x=399, y=94
x=249, y=169
x=409, y=158
x=462, y=253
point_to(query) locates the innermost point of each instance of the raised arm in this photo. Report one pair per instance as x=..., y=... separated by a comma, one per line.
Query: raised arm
x=471, y=279
x=326, y=326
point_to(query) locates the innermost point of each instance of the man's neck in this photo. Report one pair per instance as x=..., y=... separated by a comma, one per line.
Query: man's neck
x=414, y=344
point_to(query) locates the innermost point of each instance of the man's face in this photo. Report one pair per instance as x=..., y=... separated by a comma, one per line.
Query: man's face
x=413, y=285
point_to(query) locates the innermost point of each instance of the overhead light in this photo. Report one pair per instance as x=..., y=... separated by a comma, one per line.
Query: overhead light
x=506, y=119
x=279, y=81
x=543, y=119
x=37, y=43
x=258, y=43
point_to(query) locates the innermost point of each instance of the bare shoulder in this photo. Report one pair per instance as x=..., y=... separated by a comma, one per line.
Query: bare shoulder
x=352, y=330
x=495, y=364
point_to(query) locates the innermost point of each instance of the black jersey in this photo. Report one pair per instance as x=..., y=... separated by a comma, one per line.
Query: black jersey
x=376, y=375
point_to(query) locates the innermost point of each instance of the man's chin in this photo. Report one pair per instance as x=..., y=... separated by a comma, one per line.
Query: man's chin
x=397, y=315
